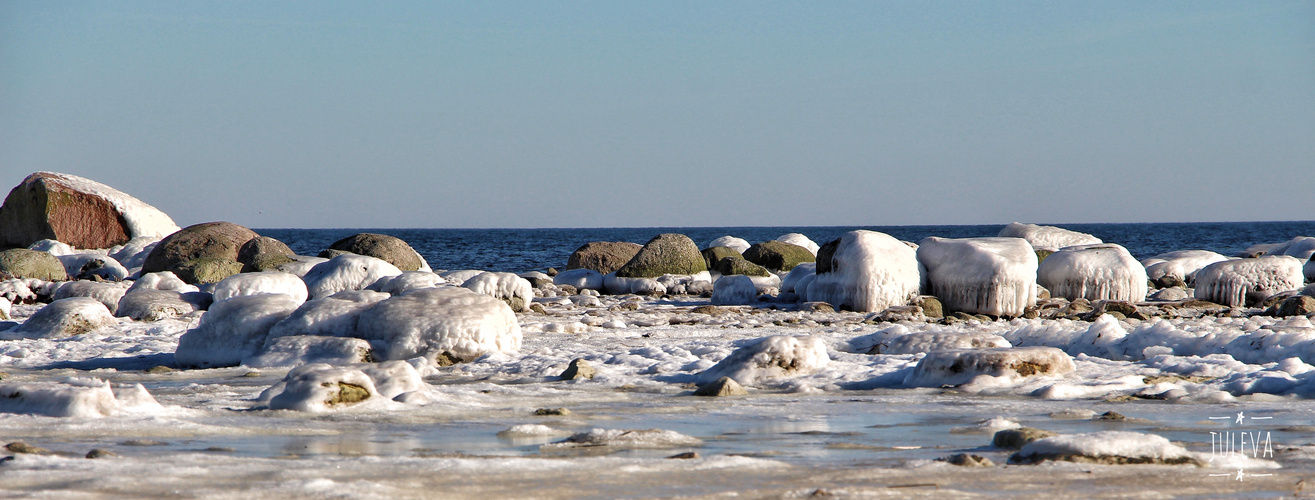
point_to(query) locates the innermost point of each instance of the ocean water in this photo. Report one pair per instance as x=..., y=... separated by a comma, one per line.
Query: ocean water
x=518, y=250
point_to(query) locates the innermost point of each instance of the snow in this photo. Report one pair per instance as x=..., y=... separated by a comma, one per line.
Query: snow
x=141, y=219
x=73, y=397
x=163, y=280
x=1096, y=272
x=1106, y=444
x=63, y=318
x=133, y=253
x=53, y=247
x=960, y=366
x=300, y=265
x=98, y=264
x=1301, y=247
x=870, y=271
x=407, y=281
x=311, y=388
x=332, y=316
x=639, y=286
x=731, y=242
x=995, y=276
x=797, y=239
x=796, y=276
x=625, y=439
x=232, y=329
x=770, y=360
x=268, y=282
x=1243, y=281
x=346, y=272
x=581, y=279
x=306, y=349
x=459, y=277
x=734, y=290
x=107, y=293
x=504, y=286
x=1182, y=264
x=155, y=305
x=431, y=321
x=1047, y=238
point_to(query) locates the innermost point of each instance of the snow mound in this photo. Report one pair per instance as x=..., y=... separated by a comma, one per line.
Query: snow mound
x=346, y=272
x=407, y=281
x=1242, y=282
x=65, y=318
x=581, y=279
x=1182, y=264
x=1049, y=238
x=433, y=321
x=53, y=247
x=320, y=387
x=625, y=439
x=616, y=285
x=163, y=280
x=269, y=282
x=1095, y=272
x=332, y=316
x=141, y=219
x=1104, y=447
x=794, y=239
x=769, y=360
x=459, y=277
x=307, y=349
x=995, y=276
x=734, y=290
x=532, y=430
x=74, y=397
x=155, y=305
x=508, y=287
x=959, y=366
x=300, y=264
x=869, y=271
x=733, y=243
x=107, y=293
x=232, y=330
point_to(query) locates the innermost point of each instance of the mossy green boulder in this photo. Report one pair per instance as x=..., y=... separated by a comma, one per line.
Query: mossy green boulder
x=728, y=266
x=216, y=241
x=263, y=253
x=602, y=256
x=778, y=255
x=381, y=246
x=207, y=270
x=668, y=253
x=24, y=263
x=714, y=254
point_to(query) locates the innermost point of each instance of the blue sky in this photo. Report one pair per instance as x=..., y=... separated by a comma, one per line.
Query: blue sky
x=566, y=114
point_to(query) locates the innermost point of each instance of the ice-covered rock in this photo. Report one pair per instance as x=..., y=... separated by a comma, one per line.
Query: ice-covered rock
x=155, y=305
x=133, y=253
x=319, y=387
x=305, y=349
x=85, y=265
x=624, y=439
x=1095, y=272
x=1181, y=264
x=616, y=285
x=581, y=279
x=391, y=249
x=78, y=211
x=920, y=342
x=300, y=264
x=407, y=281
x=1048, y=238
x=868, y=271
x=65, y=318
x=960, y=366
x=460, y=276
x=1243, y=282
x=510, y=288
x=769, y=360
x=107, y=293
x=163, y=280
x=268, y=282
x=687, y=283
x=796, y=275
x=332, y=316
x=74, y=397
x=995, y=276
x=17, y=291
x=737, y=244
x=1301, y=247
x=432, y=321
x=232, y=329
x=799, y=240
x=1105, y=447
x=346, y=272
x=734, y=290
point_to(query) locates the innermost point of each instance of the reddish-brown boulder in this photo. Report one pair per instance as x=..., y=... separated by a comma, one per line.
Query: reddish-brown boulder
x=77, y=211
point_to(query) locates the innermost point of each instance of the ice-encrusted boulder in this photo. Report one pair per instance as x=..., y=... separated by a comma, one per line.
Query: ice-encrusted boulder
x=65, y=318
x=734, y=290
x=53, y=247
x=867, y=271
x=1242, y=282
x=200, y=253
x=799, y=240
x=88, y=265
x=668, y=253
x=769, y=360
x=239, y=285
x=332, y=316
x=133, y=253
x=407, y=281
x=154, y=305
x=232, y=330
x=779, y=255
x=639, y=286
x=346, y=272
x=960, y=366
x=74, y=397
x=1180, y=265
x=1095, y=272
x=1301, y=247
x=581, y=279
x=1047, y=238
x=320, y=387
x=920, y=342
x=24, y=263
x=507, y=287
x=107, y=293
x=433, y=322
x=389, y=248
x=996, y=276
x=78, y=211
x=458, y=277
x=602, y=256
x=163, y=280
x=305, y=349
x=737, y=244
x=623, y=439
x=1105, y=447
x=299, y=264
x=796, y=276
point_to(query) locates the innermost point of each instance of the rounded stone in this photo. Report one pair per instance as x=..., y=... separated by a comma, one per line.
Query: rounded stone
x=24, y=263
x=209, y=240
x=381, y=246
x=602, y=256
x=778, y=255
x=668, y=253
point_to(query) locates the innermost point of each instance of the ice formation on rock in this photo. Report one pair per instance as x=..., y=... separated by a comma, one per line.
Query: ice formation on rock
x=960, y=366
x=1181, y=264
x=407, y=281
x=869, y=271
x=996, y=276
x=139, y=218
x=915, y=343
x=155, y=305
x=73, y=397
x=163, y=280
x=267, y=282
x=305, y=349
x=332, y=316
x=82, y=265
x=459, y=277
x=624, y=439
x=795, y=239
x=733, y=243
x=1049, y=238
x=581, y=279
x=734, y=290
x=133, y=253
x=107, y=293
x=432, y=321
x=1096, y=272
x=1243, y=282
x=319, y=387
x=513, y=289
x=796, y=275
x=232, y=330
x=770, y=359
x=53, y=247
x=616, y=285
x=1104, y=446
x=65, y=318
x=346, y=272
x=300, y=265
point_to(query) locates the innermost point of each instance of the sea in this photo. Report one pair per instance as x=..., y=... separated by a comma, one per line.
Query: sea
x=520, y=250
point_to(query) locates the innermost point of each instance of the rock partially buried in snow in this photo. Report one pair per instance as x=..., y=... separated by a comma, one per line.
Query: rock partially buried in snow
x=318, y=387
x=332, y=316
x=269, y=282
x=1243, y=282
x=581, y=279
x=1047, y=238
x=346, y=272
x=799, y=240
x=92, y=265
x=163, y=280
x=1181, y=265
x=78, y=211
x=155, y=305
x=232, y=330
x=1013, y=439
x=305, y=349
x=734, y=290
x=107, y=293
x=391, y=249
x=1108, y=447
x=200, y=253
x=959, y=366
x=407, y=281
x=66, y=318
x=770, y=359
x=73, y=397
x=724, y=386
x=668, y=253
x=920, y=342
x=867, y=271
x=602, y=256
x=995, y=276
x=1095, y=272
x=577, y=370
x=24, y=263
x=619, y=439
x=507, y=287
x=435, y=321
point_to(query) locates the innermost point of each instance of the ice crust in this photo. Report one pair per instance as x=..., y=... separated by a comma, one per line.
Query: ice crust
x=733, y=243
x=1242, y=281
x=269, y=282
x=1095, y=272
x=870, y=271
x=581, y=279
x=1106, y=444
x=431, y=321
x=63, y=318
x=74, y=397
x=769, y=360
x=796, y=239
x=346, y=272
x=960, y=366
x=232, y=330
x=1049, y=238
x=503, y=286
x=995, y=276
x=1182, y=264
x=734, y=290
x=313, y=387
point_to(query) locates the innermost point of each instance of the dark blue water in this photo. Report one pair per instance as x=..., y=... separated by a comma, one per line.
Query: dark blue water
x=517, y=250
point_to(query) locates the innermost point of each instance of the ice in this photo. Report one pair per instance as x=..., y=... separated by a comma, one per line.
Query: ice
x=988, y=426
x=163, y=280
x=508, y=287
x=141, y=219
x=581, y=279
x=1301, y=247
x=332, y=316
x=306, y=349
x=319, y=388
x=459, y=277
x=96, y=264
x=65, y=318
x=995, y=276
x=232, y=330
x=73, y=397
x=107, y=293
x=734, y=290
x=268, y=282
x=5, y=308
x=731, y=242
x=639, y=286
x=300, y=265
x=960, y=366
x=346, y=272
x=1134, y=445
x=1242, y=282
x=1048, y=238
x=625, y=439
x=433, y=321
x=869, y=271
x=407, y=281
x=796, y=239
x=155, y=305
x=17, y=291
x=53, y=247
x=133, y=253
x=796, y=276
x=1182, y=264
x=1096, y=272
x=921, y=342
x=770, y=360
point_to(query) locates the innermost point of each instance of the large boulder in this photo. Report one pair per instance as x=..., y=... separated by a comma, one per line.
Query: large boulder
x=1245, y=282
x=778, y=255
x=81, y=212
x=668, y=253
x=391, y=249
x=24, y=263
x=1095, y=272
x=865, y=271
x=263, y=253
x=603, y=256
x=712, y=255
x=451, y=323
x=66, y=318
x=200, y=253
x=995, y=276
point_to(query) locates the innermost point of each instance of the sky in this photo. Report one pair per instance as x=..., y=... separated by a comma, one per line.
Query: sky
x=639, y=114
